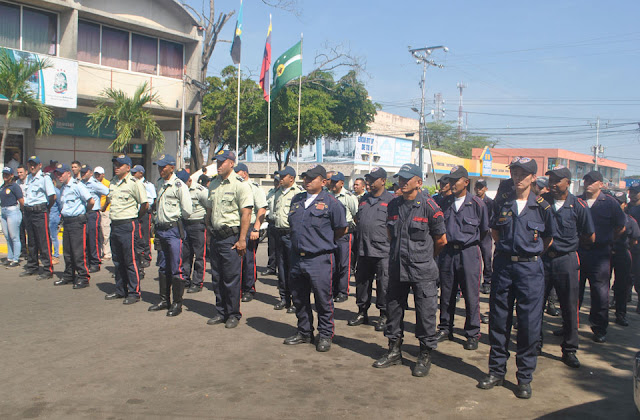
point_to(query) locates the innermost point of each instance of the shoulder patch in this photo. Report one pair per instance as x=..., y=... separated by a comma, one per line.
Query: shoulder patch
x=239, y=178
x=581, y=202
x=178, y=183
x=543, y=203
x=539, y=199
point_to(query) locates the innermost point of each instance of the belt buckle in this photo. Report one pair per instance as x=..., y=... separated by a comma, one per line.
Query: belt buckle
x=456, y=246
x=302, y=254
x=514, y=258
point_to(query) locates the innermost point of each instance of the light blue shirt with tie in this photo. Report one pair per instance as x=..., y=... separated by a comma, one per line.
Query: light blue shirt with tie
x=38, y=189
x=74, y=199
x=97, y=189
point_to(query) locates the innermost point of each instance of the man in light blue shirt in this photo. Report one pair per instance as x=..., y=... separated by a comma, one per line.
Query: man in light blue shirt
x=76, y=202
x=40, y=195
x=143, y=244
x=94, y=231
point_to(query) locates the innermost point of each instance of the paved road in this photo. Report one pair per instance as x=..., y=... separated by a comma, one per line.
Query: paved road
x=71, y=354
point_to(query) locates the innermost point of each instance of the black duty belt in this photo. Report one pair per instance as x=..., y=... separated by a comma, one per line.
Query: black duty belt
x=224, y=232
x=556, y=254
x=166, y=226
x=459, y=247
x=75, y=219
x=36, y=208
x=194, y=222
x=283, y=231
x=518, y=258
x=311, y=254
x=122, y=221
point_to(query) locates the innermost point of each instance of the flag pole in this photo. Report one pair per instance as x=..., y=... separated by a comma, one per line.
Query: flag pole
x=299, y=104
x=269, y=114
x=238, y=116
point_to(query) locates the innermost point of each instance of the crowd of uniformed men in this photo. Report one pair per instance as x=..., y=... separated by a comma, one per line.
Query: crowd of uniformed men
x=534, y=241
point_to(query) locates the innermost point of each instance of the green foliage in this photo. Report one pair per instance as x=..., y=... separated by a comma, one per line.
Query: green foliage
x=14, y=76
x=444, y=137
x=130, y=116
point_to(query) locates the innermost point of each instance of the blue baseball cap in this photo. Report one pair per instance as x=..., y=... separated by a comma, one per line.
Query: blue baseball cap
x=338, y=176
x=34, y=159
x=527, y=164
x=316, y=171
x=7, y=170
x=164, y=160
x=224, y=155
x=85, y=168
x=137, y=168
x=122, y=160
x=288, y=170
x=241, y=167
x=183, y=175
x=634, y=187
x=62, y=168
x=409, y=170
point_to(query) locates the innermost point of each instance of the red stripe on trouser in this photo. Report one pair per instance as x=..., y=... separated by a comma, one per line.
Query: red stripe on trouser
x=578, y=306
x=149, y=236
x=133, y=255
x=97, y=237
x=240, y=285
x=46, y=229
x=333, y=325
x=180, y=262
x=84, y=250
x=255, y=271
x=204, y=256
x=479, y=285
x=349, y=264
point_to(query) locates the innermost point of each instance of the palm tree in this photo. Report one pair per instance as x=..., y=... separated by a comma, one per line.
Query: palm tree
x=14, y=76
x=130, y=116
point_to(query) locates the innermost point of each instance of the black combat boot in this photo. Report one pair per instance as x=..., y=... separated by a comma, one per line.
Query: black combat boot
x=393, y=357
x=165, y=297
x=423, y=364
x=178, y=291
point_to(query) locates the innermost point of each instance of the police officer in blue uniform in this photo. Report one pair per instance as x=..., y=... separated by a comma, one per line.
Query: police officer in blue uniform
x=76, y=202
x=174, y=204
x=561, y=263
x=466, y=221
x=523, y=228
x=143, y=243
x=444, y=191
x=621, y=262
x=94, y=231
x=372, y=248
x=417, y=233
x=39, y=197
x=317, y=221
x=633, y=209
x=486, y=243
x=595, y=259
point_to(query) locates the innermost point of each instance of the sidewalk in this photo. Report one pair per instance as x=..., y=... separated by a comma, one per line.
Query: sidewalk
x=3, y=243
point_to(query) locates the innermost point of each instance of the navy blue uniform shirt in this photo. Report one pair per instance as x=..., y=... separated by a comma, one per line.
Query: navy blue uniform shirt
x=488, y=202
x=372, y=225
x=632, y=232
x=465, y=225
x=312, y=228
x=521, y=234
x=10, y=194
x=607, y=216
x=573, y=219
x=412, y=225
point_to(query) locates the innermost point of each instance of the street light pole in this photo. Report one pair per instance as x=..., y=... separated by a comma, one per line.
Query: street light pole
x=422, y=56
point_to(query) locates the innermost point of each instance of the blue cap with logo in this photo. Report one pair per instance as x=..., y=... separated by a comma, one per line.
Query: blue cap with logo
x=122, y=160
x=224, y=155
x=409, y=170
x=34, y=159
x=635, y=186
x=85, y=168
x=183, y=175
x=338, y=176
x=137, y=168
x=62, y=168
x=164, y=160
x=288, y=170
x=7, y=170
x=528, y=164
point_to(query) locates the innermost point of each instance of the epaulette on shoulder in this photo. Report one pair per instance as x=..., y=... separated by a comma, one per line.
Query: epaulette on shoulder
x=256, y=184
x=581, y=202
x=239, y=178
x=542, y=203
x=200, y=187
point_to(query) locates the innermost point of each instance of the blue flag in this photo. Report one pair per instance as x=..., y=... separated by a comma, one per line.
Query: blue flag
x=237, y=42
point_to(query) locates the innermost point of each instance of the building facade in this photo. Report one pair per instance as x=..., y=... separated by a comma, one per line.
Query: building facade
x=93, y=45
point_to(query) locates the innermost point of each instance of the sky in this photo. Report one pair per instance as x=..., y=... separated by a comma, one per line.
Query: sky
x=538, y=74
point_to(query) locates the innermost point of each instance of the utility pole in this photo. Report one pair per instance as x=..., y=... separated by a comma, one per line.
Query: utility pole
x=422, y=57
x=598, y=149
x=461, y=86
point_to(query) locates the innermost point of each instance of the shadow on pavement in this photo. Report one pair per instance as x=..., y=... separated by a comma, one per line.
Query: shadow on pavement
x=272, y=328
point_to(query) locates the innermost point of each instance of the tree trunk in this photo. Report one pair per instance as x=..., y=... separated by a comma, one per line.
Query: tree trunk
x=5, y=134
x=196, y=152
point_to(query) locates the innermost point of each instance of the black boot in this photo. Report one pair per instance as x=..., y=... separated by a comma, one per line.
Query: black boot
x=178, y=291
x=423, y=364
x=165, y=297
x=393, y=357
x=382, y=322
x=359, y=319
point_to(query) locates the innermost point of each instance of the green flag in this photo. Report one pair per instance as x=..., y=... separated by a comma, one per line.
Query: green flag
x=287, y=67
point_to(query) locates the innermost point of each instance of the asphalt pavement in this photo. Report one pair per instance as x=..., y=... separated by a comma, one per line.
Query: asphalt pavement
x=71, y=354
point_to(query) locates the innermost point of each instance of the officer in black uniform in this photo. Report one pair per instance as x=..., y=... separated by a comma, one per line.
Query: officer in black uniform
x=317, y=221
x=466, y=221
x=373, y=248
x=444, y=191
x=561, y=263
x=621, y=262
x=523, y=228
x=595, y=259
x=417, y=234
x=633, y=209
x=486, y=243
